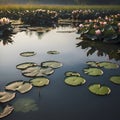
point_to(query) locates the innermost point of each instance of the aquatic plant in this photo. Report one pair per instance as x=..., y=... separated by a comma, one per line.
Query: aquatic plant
x=27, y=54
x=70, y=73
x=36, y=71
x=115, y=79
x=6, y=111
x=6, y=96
x=74, y=80
x=53, y=52
x=39, y=81
x=93, y=71
x=52, y=64
x=25, y=65
x=20, y=86
x=99, y=89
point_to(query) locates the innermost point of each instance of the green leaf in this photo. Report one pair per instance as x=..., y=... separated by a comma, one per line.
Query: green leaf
x=27, y=54
x=53, y=52
x=108, y=65
x=40, y=81
x=115, y=79
x=93, y=71
x=93, y=63
x=52, y=64
x=75, y=80
x=25, y=65
x=99, y=90
x=70, y=73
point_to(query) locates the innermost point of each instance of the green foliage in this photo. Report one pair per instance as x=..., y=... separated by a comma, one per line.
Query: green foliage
x=99, y=90
x=115, y=79
x=75, y=80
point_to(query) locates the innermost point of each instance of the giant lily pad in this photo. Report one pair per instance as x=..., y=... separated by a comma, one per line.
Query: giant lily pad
x=25, y=105
x=53, y=52
x=37, y=71
x=25, y=65
x=6, y=111
x=40, y=81
x=74, y=80
x=27, y=54
x=70, y=73
x=99, y=90
x=6, y=96
x=115, y=79
x=20, y=86
x=108, y=65
x=52, y=64
x=93, y=71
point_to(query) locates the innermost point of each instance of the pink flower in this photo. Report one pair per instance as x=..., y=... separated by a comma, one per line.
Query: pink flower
x=98, y=32
x=118, y=24
x=81, y=25
x=96, y=27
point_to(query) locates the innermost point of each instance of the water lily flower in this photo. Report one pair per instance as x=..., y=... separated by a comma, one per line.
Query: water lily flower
x=4, y=21
x=118, y=24
x=81, y=25
x=98, y=32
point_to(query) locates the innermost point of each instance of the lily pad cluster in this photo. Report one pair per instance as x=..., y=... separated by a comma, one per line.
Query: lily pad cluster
x=94, y=69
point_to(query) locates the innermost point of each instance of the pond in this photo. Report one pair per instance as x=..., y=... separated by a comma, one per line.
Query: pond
x=59, y=101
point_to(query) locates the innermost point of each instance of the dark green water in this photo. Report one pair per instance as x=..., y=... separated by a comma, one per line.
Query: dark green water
x=58, y=101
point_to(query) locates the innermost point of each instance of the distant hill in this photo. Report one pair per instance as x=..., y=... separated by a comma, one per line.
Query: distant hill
x=111, y=2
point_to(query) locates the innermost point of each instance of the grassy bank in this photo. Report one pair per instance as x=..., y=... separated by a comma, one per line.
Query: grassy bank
x=58, y=7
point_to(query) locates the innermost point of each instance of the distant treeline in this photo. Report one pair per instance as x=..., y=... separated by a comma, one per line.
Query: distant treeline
x=67, y=2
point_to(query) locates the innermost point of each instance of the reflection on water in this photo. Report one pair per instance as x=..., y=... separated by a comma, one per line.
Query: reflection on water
x=57, y=101
x=6, y=40
x=110, y=50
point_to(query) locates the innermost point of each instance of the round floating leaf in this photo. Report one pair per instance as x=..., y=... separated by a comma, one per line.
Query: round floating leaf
x=108, y=65
x=115, y=79
x=14, y=85
x=6, y=111
x=52, y=64
x=25, y=65
x=53, y=52
x=92, y=63
x=25, y=105
x=6, y=96
x=40, y=81
x=27, y=54
x=74, y=80
x=99, y=90
x=70, y=73
x=93, y=71
x=24, y=88
x=20, y=86
x=37, y=71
